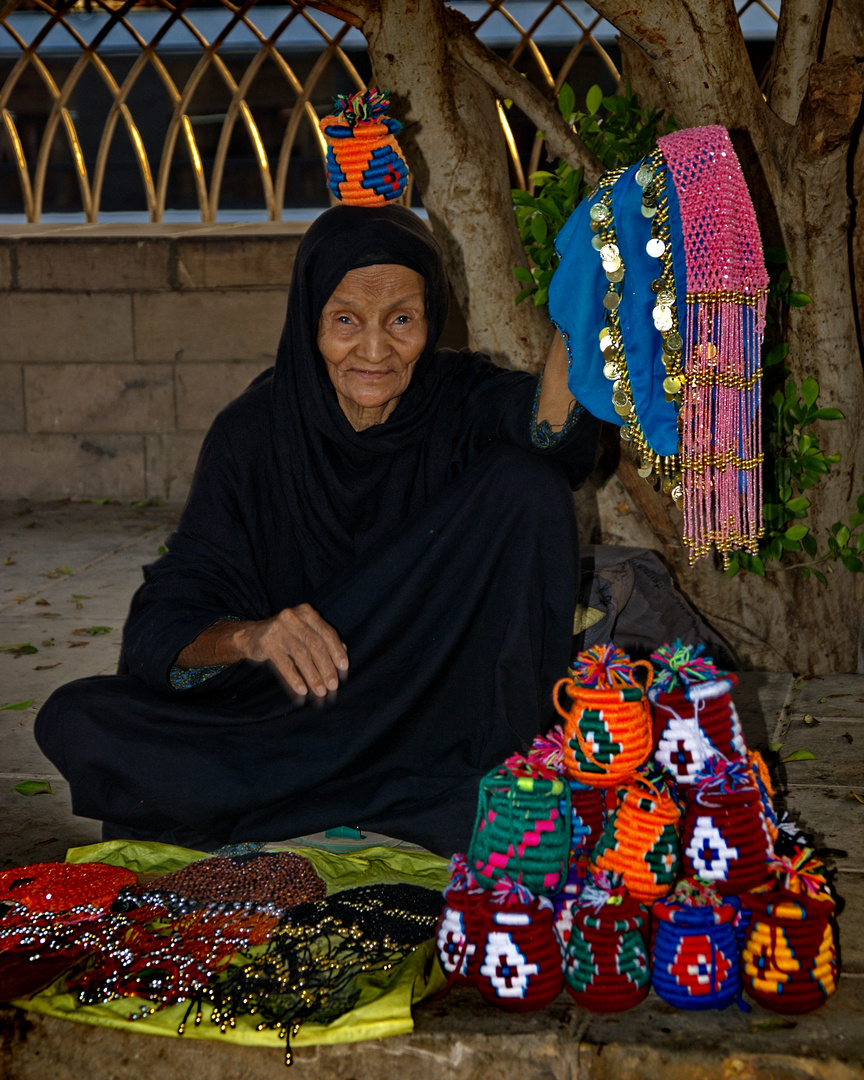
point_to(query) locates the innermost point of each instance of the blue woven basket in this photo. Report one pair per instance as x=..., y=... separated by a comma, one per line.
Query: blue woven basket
x=696, y=962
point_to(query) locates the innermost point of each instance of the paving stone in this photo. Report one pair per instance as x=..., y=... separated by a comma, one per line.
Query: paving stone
x=111, y=264
x=212, y=325
x=171, y=462
x=844, y=696
x=759, y=697
x=834, y=742
x=835, y=819
x=99, y=398
x=40, y=828
x=11, y=397
x=83, y=466
x=41, y=328
x=218, y=262
x=850, y=889
x=204, y=389
x=5, y=267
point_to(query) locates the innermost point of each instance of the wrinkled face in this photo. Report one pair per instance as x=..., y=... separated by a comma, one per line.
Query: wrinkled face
x=371, y=334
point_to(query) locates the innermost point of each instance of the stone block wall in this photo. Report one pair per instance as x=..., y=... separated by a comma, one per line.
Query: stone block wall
x=119, y=344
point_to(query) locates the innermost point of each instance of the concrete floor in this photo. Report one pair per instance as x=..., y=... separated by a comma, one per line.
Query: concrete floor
x=66, y=568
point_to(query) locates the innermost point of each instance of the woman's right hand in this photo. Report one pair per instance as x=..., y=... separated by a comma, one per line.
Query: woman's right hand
x=305, y=651
x=302, y=648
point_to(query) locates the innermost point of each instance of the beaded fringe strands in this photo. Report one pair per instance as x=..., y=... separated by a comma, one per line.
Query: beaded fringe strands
x=365, y=166
x=695, y=718
x=640, y=841
x=607, y=730
x=522, y=828
x=606, y=965
x=695, y=961
x=309, y=969
x=725, y=838
x=790, y=958
x=721, y=450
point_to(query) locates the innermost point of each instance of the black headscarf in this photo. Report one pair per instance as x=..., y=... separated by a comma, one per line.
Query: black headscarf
x=350, y=482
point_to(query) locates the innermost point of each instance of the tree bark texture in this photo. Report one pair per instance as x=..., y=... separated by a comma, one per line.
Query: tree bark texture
x=800, y=146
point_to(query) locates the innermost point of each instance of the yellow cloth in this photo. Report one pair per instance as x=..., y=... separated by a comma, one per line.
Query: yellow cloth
x=384, y=1005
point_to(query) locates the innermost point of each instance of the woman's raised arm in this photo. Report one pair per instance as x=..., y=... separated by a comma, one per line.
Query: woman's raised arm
x=556, y=401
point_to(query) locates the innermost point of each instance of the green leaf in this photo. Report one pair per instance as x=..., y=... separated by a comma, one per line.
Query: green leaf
x=842, y=535
x=24, y=649
x=829, y=414
x=798, y=504
x=808, y=542
x=593, y=99
x=776, y=355
x=18, y=704
x=522, y=273
x=520, y=297
x=733, y=568
x=539, y=228
x=798, y=299
x=757, y=566
x=820, y=577
x=805, y=572
x=776, y=255
x=773, y=1023
x=95, y=631
x=852, y=564
x=566, y=101
x=33, y=787
x=796, y=532
x=855, y=520
x=775, y=747
x=521, y=198
x=799, y=755
x=810, y=390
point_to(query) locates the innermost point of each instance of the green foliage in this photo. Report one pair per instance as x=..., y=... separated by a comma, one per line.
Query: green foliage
x=795, y=460
x=623, y=134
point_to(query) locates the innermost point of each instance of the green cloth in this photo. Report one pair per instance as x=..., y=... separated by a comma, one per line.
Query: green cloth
x=386, y=998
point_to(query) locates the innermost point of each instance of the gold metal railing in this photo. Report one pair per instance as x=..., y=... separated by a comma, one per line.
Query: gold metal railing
x=36, y=163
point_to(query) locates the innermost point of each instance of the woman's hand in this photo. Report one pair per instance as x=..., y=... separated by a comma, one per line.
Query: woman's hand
x=305, y=651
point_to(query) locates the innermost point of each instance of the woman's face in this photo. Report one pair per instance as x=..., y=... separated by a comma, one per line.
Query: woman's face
x=371, y=334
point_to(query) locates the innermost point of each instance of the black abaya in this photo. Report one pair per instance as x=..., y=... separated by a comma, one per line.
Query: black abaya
x=441, y=546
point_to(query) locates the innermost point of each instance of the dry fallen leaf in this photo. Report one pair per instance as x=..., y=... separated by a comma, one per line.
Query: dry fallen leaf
x=855, y=795
x=46, y=667
x=822, y=700
x=622, y=509
x=78, y=644
x=848, y=737
x=810, y=720
x=42, y=603
x=8, y=562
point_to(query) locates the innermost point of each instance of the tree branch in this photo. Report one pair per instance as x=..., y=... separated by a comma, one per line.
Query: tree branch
x=795, y=50
x=561, y=141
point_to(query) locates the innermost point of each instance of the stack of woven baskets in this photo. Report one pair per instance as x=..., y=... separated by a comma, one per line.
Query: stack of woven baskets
x=637, y=845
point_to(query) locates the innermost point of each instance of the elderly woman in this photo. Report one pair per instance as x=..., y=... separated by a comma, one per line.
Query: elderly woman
x=370, y=592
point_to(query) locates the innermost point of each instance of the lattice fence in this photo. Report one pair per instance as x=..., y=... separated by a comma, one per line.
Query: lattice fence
x=93, y=92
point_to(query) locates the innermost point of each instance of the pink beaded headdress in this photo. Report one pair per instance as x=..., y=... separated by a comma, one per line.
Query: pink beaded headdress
x=727, y=284
x=660, y=296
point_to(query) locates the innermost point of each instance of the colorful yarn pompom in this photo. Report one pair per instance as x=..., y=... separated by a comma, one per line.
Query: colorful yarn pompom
x=607, y=967
x=522, y=830
x=607, y=730
x=640, y=840
x=790, y=957
x=680, y=665
x=694, y=959
x=693, y=722
x=725, y=838
x=365, y=166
